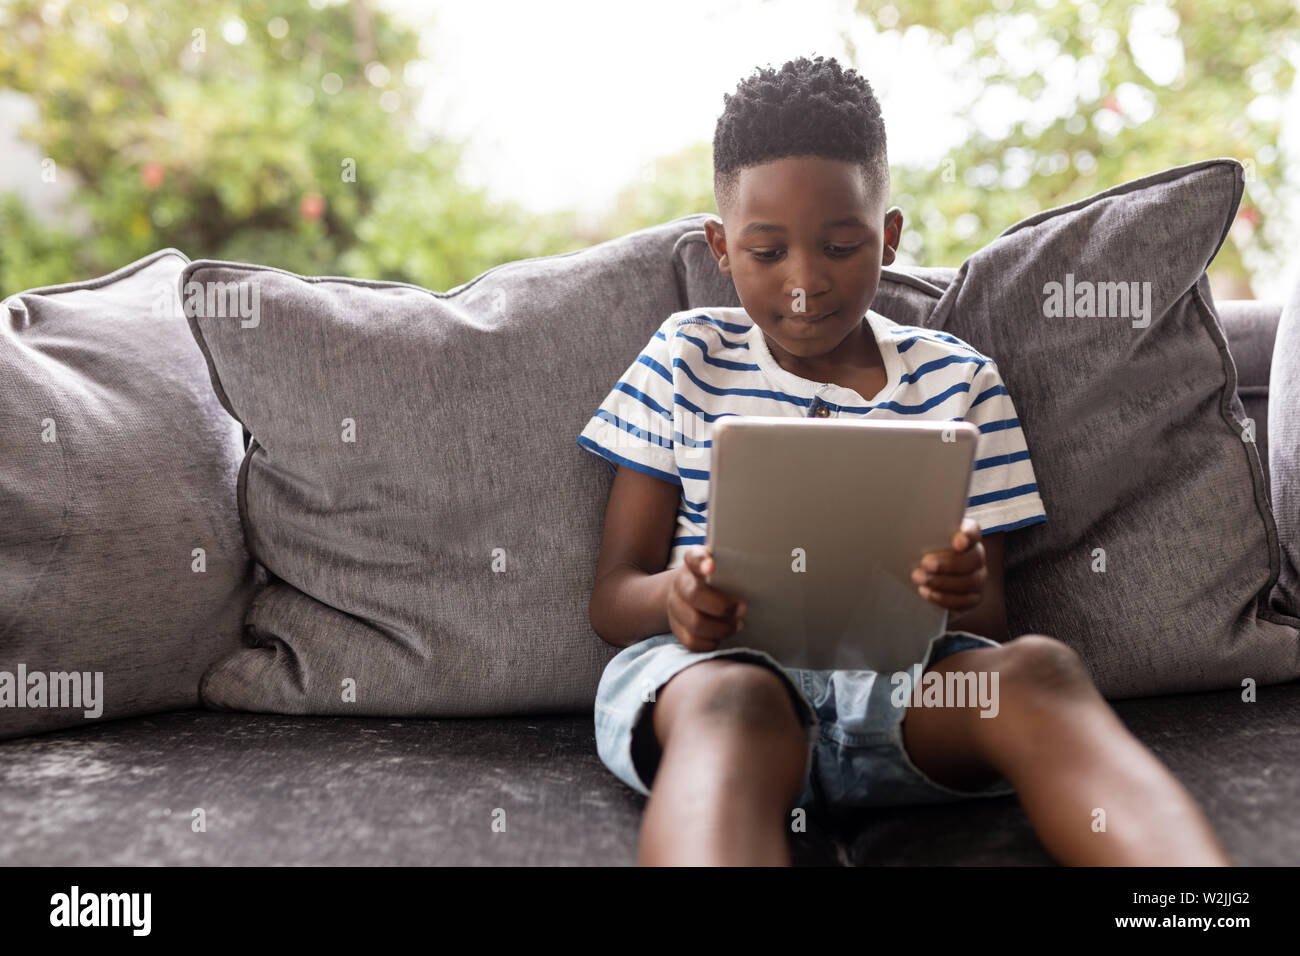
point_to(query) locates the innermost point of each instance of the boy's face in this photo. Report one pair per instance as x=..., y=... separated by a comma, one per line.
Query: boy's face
x=811, y=224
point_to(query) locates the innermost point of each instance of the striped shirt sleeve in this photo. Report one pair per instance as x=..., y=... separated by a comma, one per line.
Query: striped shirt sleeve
x=1004, y=492
x=634, y=424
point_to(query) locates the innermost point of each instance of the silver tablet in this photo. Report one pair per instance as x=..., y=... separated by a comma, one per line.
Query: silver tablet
x=816, y=524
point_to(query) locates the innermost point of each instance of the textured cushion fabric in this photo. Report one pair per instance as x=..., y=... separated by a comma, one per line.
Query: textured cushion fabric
x=1284, y=451
x=412, y=483
x=121, y=553
x=1251, y=327
x=1136, y=434
x=1141, y=433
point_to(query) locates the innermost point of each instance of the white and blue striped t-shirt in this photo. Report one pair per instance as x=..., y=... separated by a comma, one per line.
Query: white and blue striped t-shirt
x=704, y=364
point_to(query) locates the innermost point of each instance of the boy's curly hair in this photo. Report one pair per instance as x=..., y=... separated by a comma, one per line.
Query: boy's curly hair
x=806, y=108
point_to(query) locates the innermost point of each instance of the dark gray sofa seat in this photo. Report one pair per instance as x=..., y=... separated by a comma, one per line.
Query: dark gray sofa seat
x=368, y=791
x=371, y=791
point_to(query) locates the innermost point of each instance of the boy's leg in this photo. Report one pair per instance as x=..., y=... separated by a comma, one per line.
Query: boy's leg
x=733, y=754
x=1068, y=755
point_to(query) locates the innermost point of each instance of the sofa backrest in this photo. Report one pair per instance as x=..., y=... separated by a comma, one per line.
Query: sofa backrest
x=1251, y=327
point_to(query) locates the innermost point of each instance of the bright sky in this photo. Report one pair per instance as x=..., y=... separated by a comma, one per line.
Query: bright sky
x=563, y=103
x=566, y=101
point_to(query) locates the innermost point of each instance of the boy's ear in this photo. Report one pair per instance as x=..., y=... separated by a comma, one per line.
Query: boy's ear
x=716, y=236
x=893, y=232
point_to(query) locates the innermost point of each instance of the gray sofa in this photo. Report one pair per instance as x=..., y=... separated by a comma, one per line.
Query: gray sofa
x=375, y=790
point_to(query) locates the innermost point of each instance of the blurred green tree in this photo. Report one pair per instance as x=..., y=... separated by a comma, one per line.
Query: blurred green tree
x=668, y=187
x=1218, y=71
x=281, y=134
x=1150, y=84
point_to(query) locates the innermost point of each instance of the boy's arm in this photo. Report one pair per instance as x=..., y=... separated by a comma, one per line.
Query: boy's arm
x=629, y=600
x=989, y=617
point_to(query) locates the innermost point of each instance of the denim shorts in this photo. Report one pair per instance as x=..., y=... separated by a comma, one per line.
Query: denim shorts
x=856, y=756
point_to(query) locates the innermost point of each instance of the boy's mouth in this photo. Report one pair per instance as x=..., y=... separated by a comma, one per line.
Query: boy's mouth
x=803, y=319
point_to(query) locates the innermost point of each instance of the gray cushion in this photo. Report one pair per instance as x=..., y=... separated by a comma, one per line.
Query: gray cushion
x=1251, y=327
x=443, y=560
x=1139, y=435
x=1284, y=453
x=101, y=524
x=1136, y=436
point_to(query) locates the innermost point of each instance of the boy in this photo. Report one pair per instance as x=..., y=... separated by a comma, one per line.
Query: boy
x=722, y=739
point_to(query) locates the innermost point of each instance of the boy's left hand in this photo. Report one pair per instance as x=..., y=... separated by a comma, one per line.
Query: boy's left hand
x=956, y=581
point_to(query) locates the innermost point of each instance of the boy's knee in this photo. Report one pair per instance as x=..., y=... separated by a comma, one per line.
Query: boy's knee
x=1036, y=666
x=737, y=691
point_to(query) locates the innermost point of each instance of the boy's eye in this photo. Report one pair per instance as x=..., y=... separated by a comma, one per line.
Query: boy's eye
x=770, y=255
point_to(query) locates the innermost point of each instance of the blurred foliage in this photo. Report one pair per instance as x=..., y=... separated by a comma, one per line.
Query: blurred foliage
x=1233, y=53
x=228, y=131
x=231, y=143
x=33, y=254
x=669, y=187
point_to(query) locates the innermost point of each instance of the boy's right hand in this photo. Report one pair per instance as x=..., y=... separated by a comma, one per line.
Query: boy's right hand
x=700, y=615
